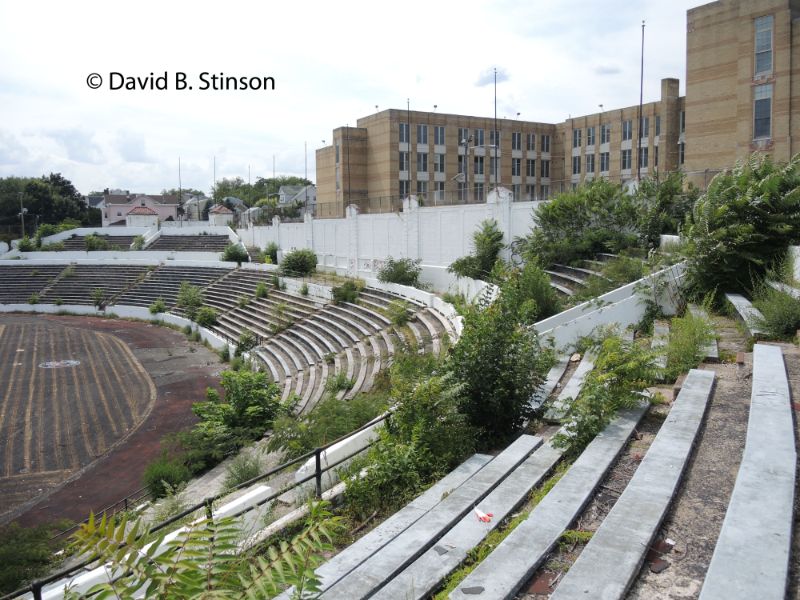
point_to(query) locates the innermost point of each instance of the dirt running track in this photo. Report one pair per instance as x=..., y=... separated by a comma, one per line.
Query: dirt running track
x=77, y=437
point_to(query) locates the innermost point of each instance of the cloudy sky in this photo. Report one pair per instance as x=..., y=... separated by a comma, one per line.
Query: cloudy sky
x=332, y=63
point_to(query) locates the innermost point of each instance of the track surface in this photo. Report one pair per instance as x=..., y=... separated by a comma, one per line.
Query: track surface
x=77, y=437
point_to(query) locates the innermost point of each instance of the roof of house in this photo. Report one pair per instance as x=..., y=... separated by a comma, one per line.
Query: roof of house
x=305, y=192
x=142, y=210
x=289, y=190
x=221, y=209
x=131, y=198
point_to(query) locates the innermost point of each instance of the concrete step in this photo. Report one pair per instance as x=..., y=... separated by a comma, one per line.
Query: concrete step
x=786, y=289
x=560, y=406
x=518, y=556
x=660, y=341
x=748, y=313
x=610, y=561
x=751, y=558
x=373, y=573
x=551, y=381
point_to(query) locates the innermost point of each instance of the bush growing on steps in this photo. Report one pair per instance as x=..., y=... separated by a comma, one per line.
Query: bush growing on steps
x=206, y=316
x=488, y=242
x=247, y=341
x=780, y=312
x=165, y=470
x=742, y=226
x=529, y=292
x=299, y=262
x=272, y=251
x=688, y=335
x=235, y=253
x=190, y=299
x=347, y=292
x=159, y=306
x=404, y=271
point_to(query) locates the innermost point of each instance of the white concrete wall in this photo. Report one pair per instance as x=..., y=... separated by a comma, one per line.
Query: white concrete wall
x=794, y=252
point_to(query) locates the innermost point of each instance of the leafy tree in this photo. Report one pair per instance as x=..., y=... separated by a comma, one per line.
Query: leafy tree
x=26, y=553
x=500, y=363
x=190, y=299
x=299, y=262
x=405, y=271
x=662, y=206
x=488, y=242
x=272, y=251
x=742, y=226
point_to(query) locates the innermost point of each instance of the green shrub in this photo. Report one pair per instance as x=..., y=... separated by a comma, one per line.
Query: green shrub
x=99, y=298
x=26, y=245
x=347, y=292
x=159, y=306
x=33, y=298
x=742, y=226
x=404, y=271
x=190, y=299
x=187, y=330
x=304, y=289
x=299, y=262
x=261, y=290
x=95, y=242
x=235, y=253
x=138, y=242
x=164, y=470
x=272, y=251
x=688, y=335
x=529, y=293
x=54, y=247
x=206, y=316
x=781, y=312
x=276, y=282
x=243, y=301
x=27, y=553
x=225, y=353
x=339, y=382
x=247, y=341
x=242, y=468
x=488, y=242
x=58, y=302
x=398, y=312
x=69, y=271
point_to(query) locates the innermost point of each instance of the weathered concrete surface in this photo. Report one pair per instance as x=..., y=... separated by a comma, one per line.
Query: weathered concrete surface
x=751, y=559
x=414, y=541
x=551, y=381
x=513, y=562
x=558, y=409
x=750, y=315
x=611, y=560
x=710, y=350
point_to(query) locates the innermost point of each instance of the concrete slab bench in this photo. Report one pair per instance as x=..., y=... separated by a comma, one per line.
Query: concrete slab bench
x=751, y=558
x=561, y=405
x=353, y=555
x=518, y=556
x=566, y=278
x=563, y=289
x=610, y=561
x=786, y=289
x=425, y=574
x=554, y=375
x=711, y=349
x=577, y=271
x=371, y=574
x=659, y=342
x=749, y=314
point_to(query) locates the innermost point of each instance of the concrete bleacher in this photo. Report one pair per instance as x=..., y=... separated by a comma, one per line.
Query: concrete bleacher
x=749, y=314
x=406, y=547
x=165, y=282
x=115, y=242
x=659, y=342
x=190, y=243
x=554, y=375
x=559, y=408
x=521, y=553
x=786, y=289
x=710, y=350
x=751, y=557
x=19, y=282
x=78, y=282
x=610, y=561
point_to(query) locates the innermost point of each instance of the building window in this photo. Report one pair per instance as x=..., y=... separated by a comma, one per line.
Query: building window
x=438, y=135
x=605, y=134
x=644, y=127
x=438, y=188
x=683, y=121
x=544, y=192
x=438, y=163
x=531, y=139
x=516, y=167
x=478, y=165
x=626, y=160
x=403, y=133
x=494, y=167
x=463, y=134
x=576, y=165
x=643, y=158
x=576, y=138
x=627, y=130
x=337, y=154
x=462, y=191
x=515, y=189
x=422, y=162
x=604, y=161
x=658, y=124
x=762, y=111
x=422, y=134
x=655, y=156
x=681, y=152
x=422, y=187
x=516, y=140
x=590, y=136
x=404, y=188
x=530, y=192
x=545, y=168
x=545, y=143
x=460, y=163
x=478, y=139
x=763, y=26
x=530, y=167
x=589, y=164
x=478, y=193
x=494, y=138
x=404, y=161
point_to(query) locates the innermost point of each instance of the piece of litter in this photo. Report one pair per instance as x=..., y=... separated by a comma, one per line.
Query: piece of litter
x=482, y=516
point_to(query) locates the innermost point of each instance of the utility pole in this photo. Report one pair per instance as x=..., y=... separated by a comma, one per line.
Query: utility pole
x=639, y=127
x=21, y=214
x=496, y=133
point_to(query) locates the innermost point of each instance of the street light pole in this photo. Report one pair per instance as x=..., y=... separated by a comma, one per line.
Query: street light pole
x=21, y=214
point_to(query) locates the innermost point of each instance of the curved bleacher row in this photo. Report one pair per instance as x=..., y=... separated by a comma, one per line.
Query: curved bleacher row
x=302, y=342
x=164, y=242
